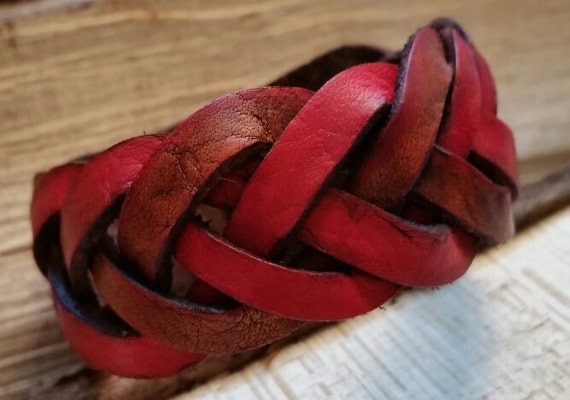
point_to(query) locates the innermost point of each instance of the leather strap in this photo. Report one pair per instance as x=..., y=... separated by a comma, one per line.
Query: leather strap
x=313, y=199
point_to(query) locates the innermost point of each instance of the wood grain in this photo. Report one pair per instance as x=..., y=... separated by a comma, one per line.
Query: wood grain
x=75, y=80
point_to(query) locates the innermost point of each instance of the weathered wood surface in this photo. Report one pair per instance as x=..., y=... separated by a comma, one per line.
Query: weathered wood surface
x=73, y=81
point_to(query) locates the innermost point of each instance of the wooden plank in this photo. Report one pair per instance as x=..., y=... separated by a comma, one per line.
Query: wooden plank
x=73, y=81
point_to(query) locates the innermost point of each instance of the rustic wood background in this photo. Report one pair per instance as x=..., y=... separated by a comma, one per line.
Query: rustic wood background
x=77, y=76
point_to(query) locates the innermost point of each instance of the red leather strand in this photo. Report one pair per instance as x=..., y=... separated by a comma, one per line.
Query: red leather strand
x=314, y=199
x=417, y=255
x=399, y=153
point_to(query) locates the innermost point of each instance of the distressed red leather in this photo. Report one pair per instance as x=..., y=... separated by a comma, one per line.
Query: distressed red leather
x=313, y=199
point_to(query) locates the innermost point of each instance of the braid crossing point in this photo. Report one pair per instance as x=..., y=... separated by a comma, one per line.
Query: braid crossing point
x=314, y=199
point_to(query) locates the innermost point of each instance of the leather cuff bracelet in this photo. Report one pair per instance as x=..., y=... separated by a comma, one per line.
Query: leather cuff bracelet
x=313, y=199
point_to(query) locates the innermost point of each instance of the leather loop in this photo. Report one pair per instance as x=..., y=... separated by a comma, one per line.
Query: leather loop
x=314, y=199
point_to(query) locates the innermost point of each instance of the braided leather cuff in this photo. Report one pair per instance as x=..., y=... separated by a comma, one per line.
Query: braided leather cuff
x=314, y=199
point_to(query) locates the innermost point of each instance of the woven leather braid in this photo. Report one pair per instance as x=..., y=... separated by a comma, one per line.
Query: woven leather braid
x=314, y=199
